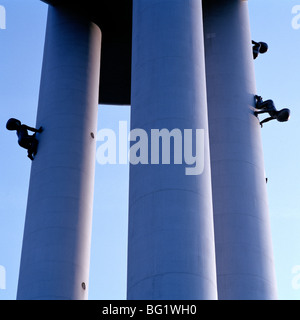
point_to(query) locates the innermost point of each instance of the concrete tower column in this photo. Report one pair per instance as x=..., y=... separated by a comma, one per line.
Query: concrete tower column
x=56, y=246
x=245, y=267
x=171, y=240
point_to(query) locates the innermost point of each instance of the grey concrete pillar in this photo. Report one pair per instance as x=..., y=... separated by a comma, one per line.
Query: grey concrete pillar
x=245, y=266
x=56, y=246
x=171, y=240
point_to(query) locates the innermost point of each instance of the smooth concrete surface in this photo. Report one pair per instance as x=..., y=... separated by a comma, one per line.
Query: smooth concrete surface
x=56, y=246
x=171, y=239
x=114, y=17
x=245, y=265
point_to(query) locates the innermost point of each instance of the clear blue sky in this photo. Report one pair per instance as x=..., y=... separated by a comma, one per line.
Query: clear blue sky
x=277, y=75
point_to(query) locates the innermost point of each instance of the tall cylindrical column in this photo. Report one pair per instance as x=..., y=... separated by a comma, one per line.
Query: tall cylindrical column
x=171, y=241
x=244, y=255
x=56, y=245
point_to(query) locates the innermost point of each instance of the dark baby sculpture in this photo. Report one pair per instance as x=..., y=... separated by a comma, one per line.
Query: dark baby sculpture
x=26, y=141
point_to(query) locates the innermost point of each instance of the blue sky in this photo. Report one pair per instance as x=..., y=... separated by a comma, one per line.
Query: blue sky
x=277, y=75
